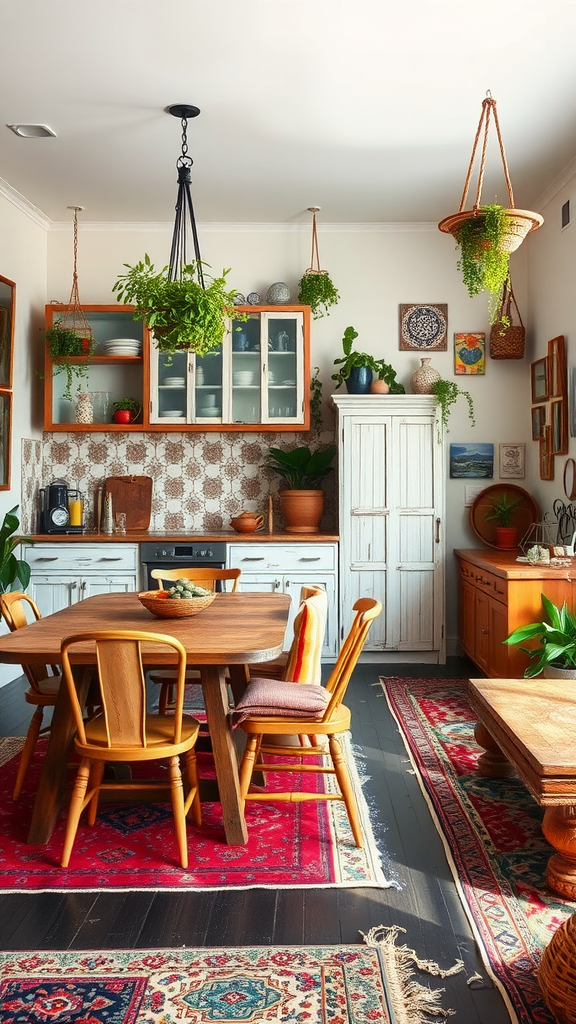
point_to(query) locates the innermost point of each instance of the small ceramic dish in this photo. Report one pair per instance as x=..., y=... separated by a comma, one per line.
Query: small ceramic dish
x=247, y=522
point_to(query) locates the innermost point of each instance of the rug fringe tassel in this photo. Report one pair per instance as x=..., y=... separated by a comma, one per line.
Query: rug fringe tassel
x=411, y=1002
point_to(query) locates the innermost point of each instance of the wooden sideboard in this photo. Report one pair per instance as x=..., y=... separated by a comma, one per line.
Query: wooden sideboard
x=497, y=594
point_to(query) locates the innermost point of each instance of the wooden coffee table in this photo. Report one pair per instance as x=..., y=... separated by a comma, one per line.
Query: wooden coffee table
x=528, y=726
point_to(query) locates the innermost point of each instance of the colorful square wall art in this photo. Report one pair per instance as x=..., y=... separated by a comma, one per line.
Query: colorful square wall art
x=469, y=353
x=423, y=327
x=472, y=460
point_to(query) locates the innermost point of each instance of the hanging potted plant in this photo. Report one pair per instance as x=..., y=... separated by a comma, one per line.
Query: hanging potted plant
x=65, y=344
x=357, y=369
x=316, y=288
x=487, y=235
x=301, y=498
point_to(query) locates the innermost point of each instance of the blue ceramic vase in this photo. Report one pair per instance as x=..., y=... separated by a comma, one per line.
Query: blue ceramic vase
x=359, y=381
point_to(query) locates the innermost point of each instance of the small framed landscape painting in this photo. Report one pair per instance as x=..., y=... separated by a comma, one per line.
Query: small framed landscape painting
x=469, y=353
x=512, y=460
x=472, y=460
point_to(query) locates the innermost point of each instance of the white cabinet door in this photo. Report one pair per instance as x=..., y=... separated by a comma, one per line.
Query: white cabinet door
x=119, y=584
x=53, y=592
x=391, y=512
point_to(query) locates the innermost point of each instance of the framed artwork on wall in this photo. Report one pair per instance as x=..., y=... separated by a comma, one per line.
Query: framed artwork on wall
x=557, y=367
x=472, y=460
x=511, y=461
x=469, y=352
x=538, y=421
x=5, y=438
x=572, y=401
x=7, y=305
x=539, y=380
x=559, y=427
x=423, y=327
x=546, y=457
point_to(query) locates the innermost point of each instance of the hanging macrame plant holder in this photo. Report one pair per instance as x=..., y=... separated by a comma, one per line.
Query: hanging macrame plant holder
x=316, y=288
x=72, y=316
x=519, y=223
x=507, y=339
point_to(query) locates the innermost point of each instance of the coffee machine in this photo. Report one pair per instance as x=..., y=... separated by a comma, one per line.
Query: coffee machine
x=56, y=502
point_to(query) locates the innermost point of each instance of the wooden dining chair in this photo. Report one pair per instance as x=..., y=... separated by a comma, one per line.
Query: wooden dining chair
x=124, y=732
x=269, y=707
x=44, y=680
x=205, y=576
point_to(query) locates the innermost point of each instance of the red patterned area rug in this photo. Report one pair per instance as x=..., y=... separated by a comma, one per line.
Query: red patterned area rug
x=492, y=834
x=357, y=984
x=132, y=846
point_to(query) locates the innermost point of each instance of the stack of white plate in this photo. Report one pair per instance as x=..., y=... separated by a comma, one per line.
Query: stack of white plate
x=209, y=411
x=174, y=382
x=242, y=378
x=123, y=347
x=173, y=413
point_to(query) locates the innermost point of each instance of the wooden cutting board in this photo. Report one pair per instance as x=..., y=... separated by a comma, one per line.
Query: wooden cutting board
x=132, y=495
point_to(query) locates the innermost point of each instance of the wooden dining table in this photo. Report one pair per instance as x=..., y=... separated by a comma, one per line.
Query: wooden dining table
x=235, y=631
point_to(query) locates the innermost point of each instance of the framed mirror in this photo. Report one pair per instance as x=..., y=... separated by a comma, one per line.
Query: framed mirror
x=5, y=438
x=7, y=307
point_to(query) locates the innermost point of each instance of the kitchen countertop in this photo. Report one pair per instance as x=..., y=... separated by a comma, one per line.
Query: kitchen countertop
x=142, y=536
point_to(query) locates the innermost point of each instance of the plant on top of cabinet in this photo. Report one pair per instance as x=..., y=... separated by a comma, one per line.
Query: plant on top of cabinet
x=447, y=393
x=316, y=288
x=352, y=362
x=12, y=568
x=182, y=314
x=302, y=499
x=63, y=344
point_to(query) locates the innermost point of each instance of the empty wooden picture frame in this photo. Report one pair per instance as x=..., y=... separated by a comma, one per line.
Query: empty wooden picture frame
x=539, y=380
x=557, y=375
x=558, y=427
x=546, y=457
x=538, y=421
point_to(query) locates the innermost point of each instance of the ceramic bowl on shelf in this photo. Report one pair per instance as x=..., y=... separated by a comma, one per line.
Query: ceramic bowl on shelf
x=163, y=606
x=247, y=522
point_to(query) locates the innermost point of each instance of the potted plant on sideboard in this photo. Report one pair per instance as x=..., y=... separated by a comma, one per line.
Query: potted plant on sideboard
x=501, y=510
x=556, y=656
x=301, y=498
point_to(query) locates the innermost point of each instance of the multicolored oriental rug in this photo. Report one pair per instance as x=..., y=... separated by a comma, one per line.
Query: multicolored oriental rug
x=132, y=846
x=359, y=984
x=492, y=834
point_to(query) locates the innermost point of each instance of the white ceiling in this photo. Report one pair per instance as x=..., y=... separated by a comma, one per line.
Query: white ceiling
x=366, y=108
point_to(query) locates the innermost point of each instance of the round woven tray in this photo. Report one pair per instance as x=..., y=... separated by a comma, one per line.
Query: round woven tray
x=523, y=516
x=557, y=973
x=520, y=223
x=158, y=602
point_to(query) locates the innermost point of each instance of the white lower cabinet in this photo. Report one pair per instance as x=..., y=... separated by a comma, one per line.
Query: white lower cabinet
x=63, y=574
x=285, y=569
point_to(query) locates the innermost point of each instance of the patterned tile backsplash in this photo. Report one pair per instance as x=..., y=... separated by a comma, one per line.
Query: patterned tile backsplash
x=200, y=480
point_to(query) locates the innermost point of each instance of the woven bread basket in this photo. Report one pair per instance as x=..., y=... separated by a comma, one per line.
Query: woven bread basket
x=160, y=604
x=557, y=973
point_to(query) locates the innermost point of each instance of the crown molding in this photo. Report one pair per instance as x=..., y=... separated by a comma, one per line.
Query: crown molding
x=22, y=204
x=557, y=185
x=240, y=227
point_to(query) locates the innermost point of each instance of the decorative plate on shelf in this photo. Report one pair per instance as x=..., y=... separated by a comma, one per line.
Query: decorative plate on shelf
x=526, y=513
x=423, y=328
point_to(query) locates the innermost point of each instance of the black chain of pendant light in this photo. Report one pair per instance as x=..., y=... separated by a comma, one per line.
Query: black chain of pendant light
x=184, y=221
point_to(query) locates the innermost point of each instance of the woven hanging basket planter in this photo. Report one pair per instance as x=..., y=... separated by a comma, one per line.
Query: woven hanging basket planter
x=519, y=223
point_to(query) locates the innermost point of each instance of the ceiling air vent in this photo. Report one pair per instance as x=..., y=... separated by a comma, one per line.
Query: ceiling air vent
x=565, y=214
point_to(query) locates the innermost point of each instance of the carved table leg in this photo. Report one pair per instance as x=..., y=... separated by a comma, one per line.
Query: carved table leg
x=559, y=828
x=492, y=763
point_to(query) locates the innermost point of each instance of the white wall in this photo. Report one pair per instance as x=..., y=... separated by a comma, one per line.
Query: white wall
x=375, y=268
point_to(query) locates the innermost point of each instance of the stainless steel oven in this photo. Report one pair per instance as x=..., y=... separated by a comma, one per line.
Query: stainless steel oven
x=189, y=555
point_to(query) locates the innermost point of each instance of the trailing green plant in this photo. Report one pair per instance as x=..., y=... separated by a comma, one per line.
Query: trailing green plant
x=350, y=360
x=447, y=393
x=65, y=344
x=316, y=402
x=557, y=640
x=181, y=314
x=301, y=468
x=502, y=509
x=317, y=291
x=12, y=569
x=483, y=264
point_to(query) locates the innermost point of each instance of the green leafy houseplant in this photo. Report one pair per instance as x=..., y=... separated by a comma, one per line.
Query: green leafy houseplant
x=126, y=403
x=557, y=640
x=301, y=469
x=65, y=344
x=181, y=314
x=351, y=359
x=482, y=262
x=316, y=402
x=502, y=509
x=12, y=568
x=317, y=291
x=447, y=393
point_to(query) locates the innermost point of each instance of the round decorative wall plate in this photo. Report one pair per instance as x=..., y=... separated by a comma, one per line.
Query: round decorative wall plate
x=423, y=328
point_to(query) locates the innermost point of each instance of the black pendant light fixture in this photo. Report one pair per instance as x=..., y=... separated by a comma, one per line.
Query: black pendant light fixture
x=184, y=221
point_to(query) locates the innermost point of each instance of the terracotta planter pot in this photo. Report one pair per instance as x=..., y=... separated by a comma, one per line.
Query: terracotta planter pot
x=302, y=510
x=506, y=536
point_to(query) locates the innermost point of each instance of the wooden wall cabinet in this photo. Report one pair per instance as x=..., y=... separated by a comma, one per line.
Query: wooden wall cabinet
x=496, y=595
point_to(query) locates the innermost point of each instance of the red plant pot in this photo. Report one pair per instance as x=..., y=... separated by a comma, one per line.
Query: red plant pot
x=506, y=536
x=123, y=416
x=85, y=345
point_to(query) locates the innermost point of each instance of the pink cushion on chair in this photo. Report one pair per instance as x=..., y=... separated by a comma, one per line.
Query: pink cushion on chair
x=275, y=698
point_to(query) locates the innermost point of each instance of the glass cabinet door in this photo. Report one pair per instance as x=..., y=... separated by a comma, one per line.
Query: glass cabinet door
x=172, y=387
x=209, y=398
x=283, y=396
x=246, y=345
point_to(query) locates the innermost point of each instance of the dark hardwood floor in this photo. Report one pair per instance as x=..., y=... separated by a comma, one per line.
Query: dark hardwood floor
x=426, y=903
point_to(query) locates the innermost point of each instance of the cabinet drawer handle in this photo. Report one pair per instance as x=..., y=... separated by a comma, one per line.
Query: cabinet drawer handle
x=259, y=559
x=316, y=559
x=45, y=558
x=110, y=558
